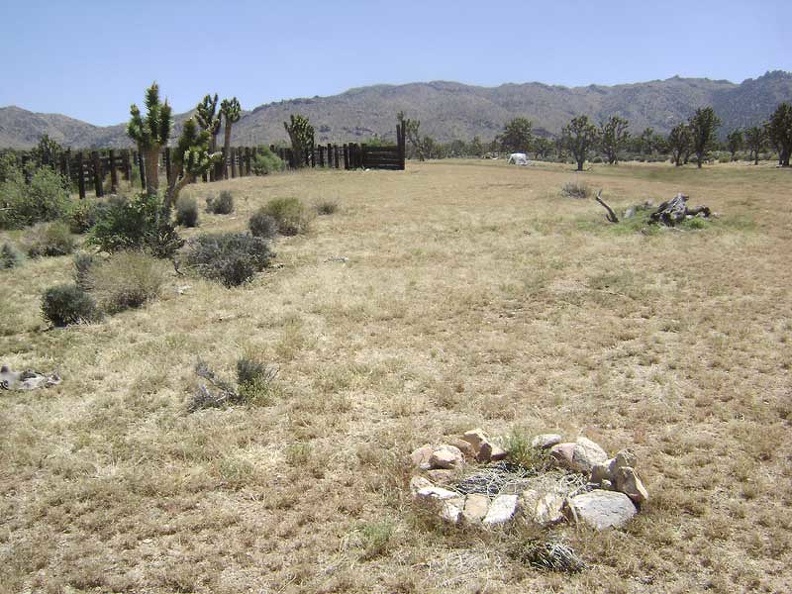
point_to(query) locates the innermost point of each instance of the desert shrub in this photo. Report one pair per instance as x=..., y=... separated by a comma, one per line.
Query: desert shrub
x=266, y=161
x=125, y=280
x=221, y=204
x=44, y=198
x=68, y=304
x=83, y=214
x=50, y=239
x=575, y=189
x=83, y=262
x=138, y=223
x=263, y=225
x=231, y=258
x=254, y=380
x=326, y=207
x=10, y=256
x=292, y=216
x=186, y=211
x=523, y=454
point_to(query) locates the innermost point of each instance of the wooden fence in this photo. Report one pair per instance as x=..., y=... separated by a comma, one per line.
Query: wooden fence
x=94, y=170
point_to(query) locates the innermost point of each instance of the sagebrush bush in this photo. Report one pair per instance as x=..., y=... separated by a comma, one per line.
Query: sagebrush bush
x=83, y=262
x=262, y=225
x=44, y=198
x=138, y=223
x=231, y=258
x=221, y=204
x=266, y=161
x=83, y=214
x=186, y=211
x=10, y=256
x=125, y=280
x=575, y=189
x=292, y=216
x=68, y=304
x=326, y=207
x=50, y=239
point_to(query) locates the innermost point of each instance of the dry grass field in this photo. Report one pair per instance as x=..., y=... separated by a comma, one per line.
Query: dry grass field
x=472, y=294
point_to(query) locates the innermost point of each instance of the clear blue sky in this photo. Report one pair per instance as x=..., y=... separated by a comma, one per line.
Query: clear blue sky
x=91, y=59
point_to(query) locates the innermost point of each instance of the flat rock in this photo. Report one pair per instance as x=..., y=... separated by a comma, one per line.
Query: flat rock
x=587, y=454
x=417, y=483
x=434, y=492
x=546, y=440
x=601, y=509
x=476, y=507
x=420, y=457
x=627, y=482
x=440, y=476
x=549, y=509
x=446, y=456
x=501, y=510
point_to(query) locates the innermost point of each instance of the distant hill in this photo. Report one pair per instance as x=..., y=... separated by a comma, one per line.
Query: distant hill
x=449, y=110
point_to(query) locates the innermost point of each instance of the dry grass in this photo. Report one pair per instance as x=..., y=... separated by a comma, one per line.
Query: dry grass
x=448, y=296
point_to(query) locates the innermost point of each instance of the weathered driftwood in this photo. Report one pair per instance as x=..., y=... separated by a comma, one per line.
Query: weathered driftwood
x=675, y=211
x=611, y=216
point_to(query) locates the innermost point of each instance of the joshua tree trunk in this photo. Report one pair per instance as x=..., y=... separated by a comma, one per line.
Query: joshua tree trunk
x=151, y=164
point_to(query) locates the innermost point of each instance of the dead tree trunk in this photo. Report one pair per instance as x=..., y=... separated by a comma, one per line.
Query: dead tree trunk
x=675, y=211
x=611, y=216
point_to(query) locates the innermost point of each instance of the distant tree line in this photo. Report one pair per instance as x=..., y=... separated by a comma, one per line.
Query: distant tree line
x=582, y=140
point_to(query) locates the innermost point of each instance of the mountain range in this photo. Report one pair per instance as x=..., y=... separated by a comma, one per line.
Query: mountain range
x=449, y=110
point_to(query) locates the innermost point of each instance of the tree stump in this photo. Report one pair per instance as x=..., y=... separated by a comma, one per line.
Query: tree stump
x=675, y=211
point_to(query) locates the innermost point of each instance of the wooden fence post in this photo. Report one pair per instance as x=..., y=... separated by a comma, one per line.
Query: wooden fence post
x=80, y=176
x=113, y=173
x=97, y=174
x=126, y=165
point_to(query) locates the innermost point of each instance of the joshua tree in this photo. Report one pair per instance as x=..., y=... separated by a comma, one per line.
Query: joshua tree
x=779, y=130
x=209, y=119
x=231, y=111
x=579, y=137
x=734, y=142
x=755, y=140
x=301, y=133
x=151, y=133
x=613, y=138
x=413, y=134
x=679, y=143
x=703, y=125
x=191, y=157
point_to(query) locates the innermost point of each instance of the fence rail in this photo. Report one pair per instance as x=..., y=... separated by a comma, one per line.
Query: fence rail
x=92, y=170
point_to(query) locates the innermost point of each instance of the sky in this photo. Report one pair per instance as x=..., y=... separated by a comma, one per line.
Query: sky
x=91, y=59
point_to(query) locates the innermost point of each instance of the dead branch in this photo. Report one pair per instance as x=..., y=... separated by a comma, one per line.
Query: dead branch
x=611, y=216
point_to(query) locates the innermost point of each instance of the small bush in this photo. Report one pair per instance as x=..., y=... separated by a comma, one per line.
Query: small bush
x=576, y=190
x=266, y=162
x=326, y=207
x=231, y=258
x=263, y=225
x=125, y=280
x=254, y=379
x=83, y=214
x=291, y=215
x=139, y=223
x=68, y=304
x=83, y=262
x=222, y=204
x=186, y=211
x=10, y=256
x=523, y=454
x=44, y=198
x=50, y=239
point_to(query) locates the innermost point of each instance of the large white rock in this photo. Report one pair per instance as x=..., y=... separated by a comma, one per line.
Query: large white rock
x=601, y=509
x=501, y=510
x=587, y=454
x=447, y=456
x=476, y=507
x=546, y=440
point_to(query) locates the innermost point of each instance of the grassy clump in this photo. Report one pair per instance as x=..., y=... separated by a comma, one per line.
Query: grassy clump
x=231, y=258
x=291, y=215
x=521, y=453
x=50, y=239
x=223, y=204
x=255, y=380
x=186, y=211
x=10, y=256
x=125, y=280
x=68, y=304
x=266, y=162
x=263, y=225
x=326, y=207
x=576, y=189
